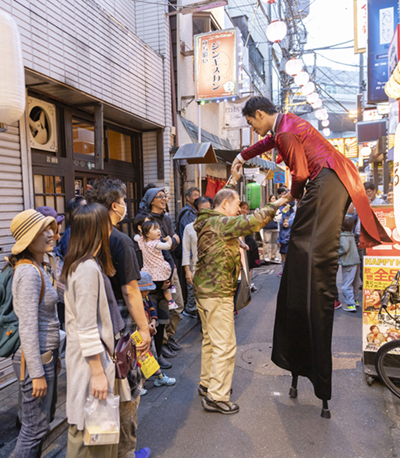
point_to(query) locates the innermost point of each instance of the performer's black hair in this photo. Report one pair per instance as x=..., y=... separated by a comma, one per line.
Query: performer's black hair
x=258, y=103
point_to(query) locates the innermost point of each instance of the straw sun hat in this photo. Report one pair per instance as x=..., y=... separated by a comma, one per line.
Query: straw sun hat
x=26, y=226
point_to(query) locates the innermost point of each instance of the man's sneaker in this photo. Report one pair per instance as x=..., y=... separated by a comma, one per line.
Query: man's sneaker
x=350, y=308
x=164, y=380
x=143, y=392
x=189, y=314
x=253, y=288
x=172, y=289
x=172, y=305
x=163, y=363
x=167, y=352
x=144, y=452
x=224, y=407
x=202, y=390
x=357, y=304
x=338, y=305
x=173, y=344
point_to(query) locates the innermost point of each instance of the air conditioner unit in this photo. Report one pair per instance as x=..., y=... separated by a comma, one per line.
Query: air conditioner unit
x=41, y=118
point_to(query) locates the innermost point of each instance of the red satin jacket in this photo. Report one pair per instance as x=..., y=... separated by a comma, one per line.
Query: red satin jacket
x=305, y=151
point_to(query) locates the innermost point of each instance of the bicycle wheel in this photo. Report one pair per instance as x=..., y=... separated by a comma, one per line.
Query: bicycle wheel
x=387, y=364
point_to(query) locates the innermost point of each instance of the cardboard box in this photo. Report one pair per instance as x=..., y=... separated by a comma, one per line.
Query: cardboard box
x=95, y=435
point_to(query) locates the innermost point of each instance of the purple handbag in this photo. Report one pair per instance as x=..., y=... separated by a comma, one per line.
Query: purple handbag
x=124, y=356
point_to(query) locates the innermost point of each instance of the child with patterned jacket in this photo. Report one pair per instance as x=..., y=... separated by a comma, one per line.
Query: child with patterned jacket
x=153, y=260
x=145, y=286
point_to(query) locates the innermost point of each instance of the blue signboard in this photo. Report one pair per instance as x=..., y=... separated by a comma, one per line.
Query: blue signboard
x=279, y=177
x=382, y=22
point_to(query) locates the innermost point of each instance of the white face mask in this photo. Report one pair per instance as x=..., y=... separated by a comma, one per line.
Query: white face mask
x=121, y=217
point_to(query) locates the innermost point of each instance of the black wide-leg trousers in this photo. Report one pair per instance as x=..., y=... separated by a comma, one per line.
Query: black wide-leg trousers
x=305, y=306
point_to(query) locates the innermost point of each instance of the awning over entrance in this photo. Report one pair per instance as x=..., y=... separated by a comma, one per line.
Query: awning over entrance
x=197, y=153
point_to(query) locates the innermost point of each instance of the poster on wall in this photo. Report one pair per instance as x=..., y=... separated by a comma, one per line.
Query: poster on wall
x=386, y=216
x=378, y=329
x=216, y=67
x=382, y=21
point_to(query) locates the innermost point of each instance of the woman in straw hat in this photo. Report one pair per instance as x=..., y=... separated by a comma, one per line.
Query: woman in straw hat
x=34, y=302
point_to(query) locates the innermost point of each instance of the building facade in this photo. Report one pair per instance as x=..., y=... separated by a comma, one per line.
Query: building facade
x=98, y=103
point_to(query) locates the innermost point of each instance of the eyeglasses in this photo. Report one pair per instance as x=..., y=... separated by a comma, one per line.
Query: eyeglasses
x=161, y=197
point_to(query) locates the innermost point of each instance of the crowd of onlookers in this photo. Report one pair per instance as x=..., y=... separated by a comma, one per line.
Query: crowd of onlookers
x=97, y=283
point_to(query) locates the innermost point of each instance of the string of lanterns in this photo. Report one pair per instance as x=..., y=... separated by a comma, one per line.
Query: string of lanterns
x=276, y=32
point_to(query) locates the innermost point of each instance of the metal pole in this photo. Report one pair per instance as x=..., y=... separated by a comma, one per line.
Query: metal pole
x=199, y=141
x=270, y=92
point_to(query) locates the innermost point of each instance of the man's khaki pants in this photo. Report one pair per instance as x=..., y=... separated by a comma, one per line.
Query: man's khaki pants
x=218, y=347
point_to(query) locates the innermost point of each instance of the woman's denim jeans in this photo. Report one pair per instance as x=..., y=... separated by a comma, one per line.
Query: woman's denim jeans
x=36, y=412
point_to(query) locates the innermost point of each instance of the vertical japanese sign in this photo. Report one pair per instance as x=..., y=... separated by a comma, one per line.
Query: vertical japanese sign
x=378, y=329
x=216, y=69
x=382, y=21
x=360, y=26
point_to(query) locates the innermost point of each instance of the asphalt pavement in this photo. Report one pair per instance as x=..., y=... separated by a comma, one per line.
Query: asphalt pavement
x=364, y=420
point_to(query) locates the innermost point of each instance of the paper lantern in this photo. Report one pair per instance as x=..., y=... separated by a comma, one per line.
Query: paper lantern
x=276, y=31
x=312, y=98
x=269, y=1
x=325, y=123
x=321, y=114
x=308, y=89
x=326, y=131
x=301, y=79
x=12, y=76
x=317, y=104
x=293, y=67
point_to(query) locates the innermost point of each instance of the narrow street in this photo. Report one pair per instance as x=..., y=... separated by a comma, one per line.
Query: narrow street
x=270, y=424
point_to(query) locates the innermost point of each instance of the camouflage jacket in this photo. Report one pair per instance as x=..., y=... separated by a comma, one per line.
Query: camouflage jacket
x=218, y=264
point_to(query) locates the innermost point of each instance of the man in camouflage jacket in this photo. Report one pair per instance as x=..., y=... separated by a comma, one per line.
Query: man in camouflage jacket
x=215, y=283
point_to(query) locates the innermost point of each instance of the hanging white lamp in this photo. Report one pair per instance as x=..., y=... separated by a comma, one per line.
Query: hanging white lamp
x=293, y=67
x=325, y=115
x=312, y=98
x=276, y=31
x=326, y=131
x=308, y=89
x=302, y=79
x=12, y=77
x=325, y=123
x=317, y=104
x=321, y=114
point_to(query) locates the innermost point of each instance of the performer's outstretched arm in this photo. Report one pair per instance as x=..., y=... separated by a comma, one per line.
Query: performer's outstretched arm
x=295, y=158
x=258, y=148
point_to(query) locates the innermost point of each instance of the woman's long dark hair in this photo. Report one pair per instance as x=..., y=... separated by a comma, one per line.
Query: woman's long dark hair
x=90, y=229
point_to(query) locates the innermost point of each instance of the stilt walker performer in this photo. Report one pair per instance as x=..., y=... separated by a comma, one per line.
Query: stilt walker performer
x=326, y=182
